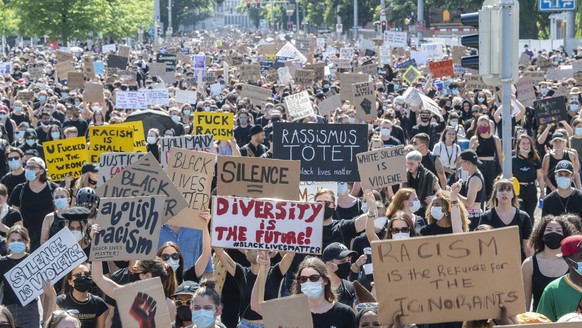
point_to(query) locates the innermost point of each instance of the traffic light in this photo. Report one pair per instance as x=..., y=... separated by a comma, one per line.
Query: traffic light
x=248, y=4
x=383, y=24
x=488, y=22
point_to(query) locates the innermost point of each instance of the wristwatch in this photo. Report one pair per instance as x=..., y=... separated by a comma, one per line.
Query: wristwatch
x=371, y=215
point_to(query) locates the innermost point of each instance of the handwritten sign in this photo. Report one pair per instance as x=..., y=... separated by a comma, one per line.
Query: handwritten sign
x=258, y=177
x=93, y=92
x=131, y=100
x=327, y=151
x=139, y=139
x=385, y=55
x=551, y=110
x=111, y=164
x=75, y=80
x=411, y=75
x=143, y=304
x=474, y=82
x=220, y=125
x=299, y=105
x=468, y=275
x=65, y=157
x=365, y=100
x=109, y=139
x=145, y=177
x=191, y=172
x=250, y=72
x=63, y=56
x=304, y=77
x=186, y=97
x=525, y=91
x=308, y=189
x=395, y=39
x=330, y=104
x=50, y=262
x=257, y=95
x=287, y=312
x=114, y=61
x=247, y=223
x=198, y=143
x=433, y=50
x=131, y=228
x=442, y=68
x=382, y=167
x=284, y=74
x=346, y=82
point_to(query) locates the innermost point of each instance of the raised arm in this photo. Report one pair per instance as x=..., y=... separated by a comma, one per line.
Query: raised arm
x=202, y=261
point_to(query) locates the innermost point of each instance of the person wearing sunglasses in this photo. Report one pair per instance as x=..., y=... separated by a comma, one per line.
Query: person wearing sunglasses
x=367, y=316
x=313, y=281
x=64, y=319
x=77, y=295
x=16, y=175
x=183, y=300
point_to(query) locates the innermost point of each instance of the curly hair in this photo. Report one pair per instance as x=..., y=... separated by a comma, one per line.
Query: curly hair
x=536, y=239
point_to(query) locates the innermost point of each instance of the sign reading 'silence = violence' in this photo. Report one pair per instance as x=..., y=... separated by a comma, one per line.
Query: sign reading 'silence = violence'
x=258, y=177
x=327, y=151
x=382, y=167
x=267, y=224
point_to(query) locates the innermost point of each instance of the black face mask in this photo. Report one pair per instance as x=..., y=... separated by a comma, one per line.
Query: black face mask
x=92, y=182
x=343, y=270
x=328, y=212
x=425, y=119
x=553, y=240
x=457, y=107
x=83, y=284
x=183, y=315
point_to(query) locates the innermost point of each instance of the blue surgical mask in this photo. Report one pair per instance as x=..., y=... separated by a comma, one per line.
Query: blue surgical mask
x=42, y=98
x=578, y=130
x=14, y=164
x=18, y=109
x=16, y=247
x=55, y=134
x=574, y=107
x=3, y=116
x=64, y=95
x=30, y=175
x=342, y=188
x=19, y=135
x=544, y=91
x=455, y=91
x=563, y=182
x=396, y=86
x=175, y=264
x=481, y=99
x=243, y=120
x=30, y=142
x=176, y=118
x=203, y=318
x=61, y=203
x=187, y=112
x=77, y=103
x=312, y=289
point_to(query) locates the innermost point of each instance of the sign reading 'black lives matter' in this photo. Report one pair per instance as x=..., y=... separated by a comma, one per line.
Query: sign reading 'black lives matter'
x=327, y=151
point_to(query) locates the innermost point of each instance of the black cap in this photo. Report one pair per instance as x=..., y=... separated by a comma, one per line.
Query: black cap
x=90, y=167
x=336, y=251
x=564, y=165
x=76, y=213
x=187, y=288
x=558, y=135
x=257, y=129
x=30, y=132
x=471, y=156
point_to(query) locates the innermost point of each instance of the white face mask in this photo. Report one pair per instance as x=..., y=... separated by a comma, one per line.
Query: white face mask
x=77, y=234
x=385, y=132
x=380, y=222
x=400, y=235
x=437, y=212
x=342, y=188
x=415, y=206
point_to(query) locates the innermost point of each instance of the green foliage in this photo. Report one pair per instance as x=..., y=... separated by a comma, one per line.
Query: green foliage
x=10, y=21
x=186, y=12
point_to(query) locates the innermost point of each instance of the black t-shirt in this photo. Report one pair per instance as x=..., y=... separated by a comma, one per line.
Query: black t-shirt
x=346, y=293
x=555, y=205
x=6, y=264
x=11, y=217
x=245, y=280
x=80, y=124
x=89, y=311
x=242, y=135
x=524, y=170
x=520, y=219
x=433, y=229
x=342, y=231
x=349, y=212
x=339, y=316
x=121, y=277
x=33, y=207
x=11, y=181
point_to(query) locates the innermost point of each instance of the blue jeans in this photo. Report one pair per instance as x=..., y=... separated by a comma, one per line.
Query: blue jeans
x=25, y=316
x=247, y=324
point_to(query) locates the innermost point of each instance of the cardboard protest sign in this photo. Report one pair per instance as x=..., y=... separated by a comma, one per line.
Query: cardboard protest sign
x=385, y=55
x=107, y=139
x=220, y=125
x=474, y=82
x=75, y=80
x=257, y=177
x=93, y=92
x=123, y=51
x=371, y=69
x=364, y=98
x=257, y=95
x=525, y=91
x=65, y=157
x=291, y=311
x=330, y=104
x=308, y=189
x=299, y=105
x=346, y=82
x=51, y=261
x=395, y=39
x=143, y=304
x=63, y=56
x=145, y=177
x=411, y=75
x=114, y=61
x=524, y=60
x=267, y=224
x=88, y=68
x=35, y=73
x=458, y=53
x=131, y=100
x=578, y=78
x=26, y=96
x=191, y=172
x=284, y=74
x=139, y=139
x=111, y=164
x=108, y=48
x=442, y=68
x=466, y=276
x=62, y=69
x=198, y=143
x=169, y=60
x=137, y=219
x=382, y=167
x=327, y=151
x=536, y=76
x=544, y=325
x=304, y=77
x=319, y=71
x=551, y=110
x=249, y=72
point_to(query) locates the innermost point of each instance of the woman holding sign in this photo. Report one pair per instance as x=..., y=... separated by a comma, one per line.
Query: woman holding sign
x=18, y=243
x=445, y=214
